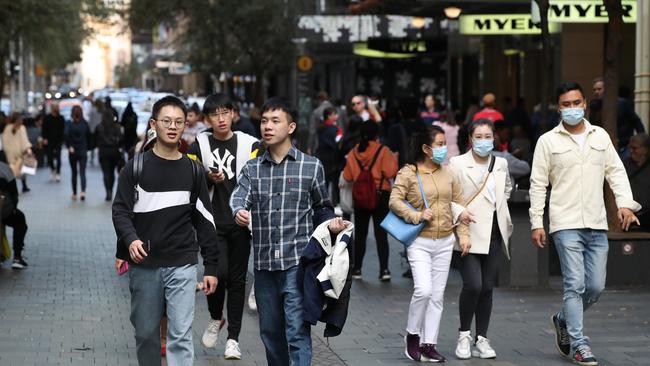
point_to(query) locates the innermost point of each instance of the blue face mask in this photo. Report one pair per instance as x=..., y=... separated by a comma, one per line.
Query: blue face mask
x=572, y=116
x=482, y=147
x=439, y=154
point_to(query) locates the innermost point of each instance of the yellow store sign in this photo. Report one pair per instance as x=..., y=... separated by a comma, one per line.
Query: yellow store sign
x=494, y=24
x=587, y=11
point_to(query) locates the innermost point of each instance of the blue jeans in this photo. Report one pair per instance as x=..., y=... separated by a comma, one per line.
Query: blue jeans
x=152, y=291
x=583, y=258
x=285, y=335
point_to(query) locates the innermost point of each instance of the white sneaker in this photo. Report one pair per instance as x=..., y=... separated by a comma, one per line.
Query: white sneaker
x=211, y=334
x=483, y=349
x=232, y=351
x=57, y=177
x=464, y=346
x=252, y=303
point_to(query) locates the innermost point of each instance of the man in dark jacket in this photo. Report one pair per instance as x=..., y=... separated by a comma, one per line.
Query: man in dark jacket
x=11, y=215
x=53, y=134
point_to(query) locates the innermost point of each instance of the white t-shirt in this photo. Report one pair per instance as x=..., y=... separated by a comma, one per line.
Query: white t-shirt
x=490, y=185
x=580, y=138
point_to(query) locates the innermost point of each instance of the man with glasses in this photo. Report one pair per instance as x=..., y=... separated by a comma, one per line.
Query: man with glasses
x=367, y=112
x=162, y=217
x=223, y=153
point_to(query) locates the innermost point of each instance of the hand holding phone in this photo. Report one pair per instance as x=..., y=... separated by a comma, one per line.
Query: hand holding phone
x=217, y=175
x=121, y=266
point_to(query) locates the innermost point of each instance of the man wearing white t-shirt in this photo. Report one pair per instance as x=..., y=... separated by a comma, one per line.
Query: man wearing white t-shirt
x=575, y=158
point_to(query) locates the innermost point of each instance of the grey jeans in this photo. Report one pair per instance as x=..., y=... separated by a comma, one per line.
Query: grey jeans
x=154, y=290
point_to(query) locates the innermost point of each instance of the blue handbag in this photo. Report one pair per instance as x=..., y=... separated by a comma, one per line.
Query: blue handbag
x=401, y=230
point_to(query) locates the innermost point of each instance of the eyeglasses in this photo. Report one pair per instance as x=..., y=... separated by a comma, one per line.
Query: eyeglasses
x=167, y=122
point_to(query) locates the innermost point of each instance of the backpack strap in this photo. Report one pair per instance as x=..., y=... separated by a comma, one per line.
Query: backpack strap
x=138, y=164
x=196, y=185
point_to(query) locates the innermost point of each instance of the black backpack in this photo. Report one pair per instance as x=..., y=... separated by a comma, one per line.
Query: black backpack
x=138, y=164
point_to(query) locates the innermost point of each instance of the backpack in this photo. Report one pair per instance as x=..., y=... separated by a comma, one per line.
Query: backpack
x=364, y=190
x=138, y=164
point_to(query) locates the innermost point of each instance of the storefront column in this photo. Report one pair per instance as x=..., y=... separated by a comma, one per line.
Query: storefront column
x=642, y=74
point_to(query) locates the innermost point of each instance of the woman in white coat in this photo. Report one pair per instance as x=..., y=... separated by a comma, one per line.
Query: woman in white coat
x=486, y=187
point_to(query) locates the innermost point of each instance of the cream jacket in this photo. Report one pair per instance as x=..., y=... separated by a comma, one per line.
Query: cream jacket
x=471, y=178
x=576, y=177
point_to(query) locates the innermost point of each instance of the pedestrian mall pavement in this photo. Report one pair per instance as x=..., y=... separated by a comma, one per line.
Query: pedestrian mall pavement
x=70, y=308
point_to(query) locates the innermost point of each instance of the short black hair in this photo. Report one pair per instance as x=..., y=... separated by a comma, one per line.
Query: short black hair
x=328, y=112
x=217, y=101
x=194, y=108
x=567, y=87
x=480, y=122
x=424, y=135
x=169, y=100
x=277, y=103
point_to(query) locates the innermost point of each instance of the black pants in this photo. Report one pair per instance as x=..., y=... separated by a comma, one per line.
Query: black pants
x=78, y=161
x=19, y=224
x=234, y=249
x=361, y=222
x=110, y=161
x=54, y=157
x=479, y=273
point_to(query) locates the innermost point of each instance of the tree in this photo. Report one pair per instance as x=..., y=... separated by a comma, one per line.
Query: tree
x=52, y=29
x=226, y=35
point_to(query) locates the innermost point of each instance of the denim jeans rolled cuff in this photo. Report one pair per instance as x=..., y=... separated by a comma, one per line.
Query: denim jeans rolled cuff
x=154, y=290
x=583, y=259
x=286, y=337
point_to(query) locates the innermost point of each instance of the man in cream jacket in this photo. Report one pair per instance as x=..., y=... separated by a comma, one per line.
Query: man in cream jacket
x=575, y=158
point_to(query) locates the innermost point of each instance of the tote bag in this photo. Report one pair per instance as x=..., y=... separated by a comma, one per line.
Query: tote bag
x=401, y=230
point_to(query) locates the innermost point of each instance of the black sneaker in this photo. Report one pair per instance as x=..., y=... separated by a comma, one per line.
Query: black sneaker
x=384, y=275
x=583, y=356
x=562, y=339
x=19, y=263
x=356, y=274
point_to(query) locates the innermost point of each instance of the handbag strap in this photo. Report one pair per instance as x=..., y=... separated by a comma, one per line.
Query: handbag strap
x=424, y=198
x=490, y=168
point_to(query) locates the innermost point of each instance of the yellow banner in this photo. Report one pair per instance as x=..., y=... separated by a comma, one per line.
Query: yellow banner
x=496, y=24
x=587, y=11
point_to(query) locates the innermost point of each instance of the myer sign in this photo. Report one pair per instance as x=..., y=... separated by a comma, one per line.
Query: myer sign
x=501, y=24
x=587, y=11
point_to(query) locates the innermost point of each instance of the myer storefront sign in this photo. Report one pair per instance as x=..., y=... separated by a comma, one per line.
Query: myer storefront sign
x=587, y=11
x=488, y=24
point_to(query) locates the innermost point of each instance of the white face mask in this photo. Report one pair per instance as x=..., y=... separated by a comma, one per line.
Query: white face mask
x=572, y=116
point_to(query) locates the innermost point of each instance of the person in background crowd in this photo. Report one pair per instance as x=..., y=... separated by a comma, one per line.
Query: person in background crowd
x=575, y=158
x=195, y=125
x=12, y=216
x=77, y=140
x=292, y=186
x=53, y=135
x=520, y=145
x=366, y=110
x=34, y=131
x=450, y=127
x=536, y=124
x=16, y=145
x=316, y=121
x=130, y=125
x=596, y=102
x=430, y=114
x=399, y=133
x=162, y=237
x=430, y=254
x=371, y=155
x=94, y=121
x=486, y=187
x=488, y=111
x=638, y=172
x=330, y=136
x=518, y=168
x=223, y=153
x=243, y=124
x=110, y=139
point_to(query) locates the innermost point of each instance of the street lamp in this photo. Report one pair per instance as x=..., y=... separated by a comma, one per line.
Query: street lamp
x=452, y=12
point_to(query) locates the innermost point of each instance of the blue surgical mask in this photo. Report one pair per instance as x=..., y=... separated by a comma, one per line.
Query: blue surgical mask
x=439, y=154
x=572, y=116
x=482, y=147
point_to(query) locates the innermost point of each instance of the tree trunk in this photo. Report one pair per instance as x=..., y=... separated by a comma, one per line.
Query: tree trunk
x=259, y=91
x=547, y=67
x=610, y=99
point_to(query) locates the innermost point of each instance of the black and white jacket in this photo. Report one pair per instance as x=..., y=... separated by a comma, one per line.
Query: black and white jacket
x=171, y=226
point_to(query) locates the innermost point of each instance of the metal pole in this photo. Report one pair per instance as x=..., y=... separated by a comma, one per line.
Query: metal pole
x=642, y=74
x=22, y=96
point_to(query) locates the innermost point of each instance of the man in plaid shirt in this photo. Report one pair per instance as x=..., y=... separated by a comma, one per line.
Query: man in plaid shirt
x=285, y=192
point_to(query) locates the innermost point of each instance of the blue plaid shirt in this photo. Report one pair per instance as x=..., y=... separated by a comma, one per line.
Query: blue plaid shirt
x=282, y=198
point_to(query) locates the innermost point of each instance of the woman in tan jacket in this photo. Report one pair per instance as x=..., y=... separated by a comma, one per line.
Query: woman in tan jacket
x=15, y=145
x=430, y=254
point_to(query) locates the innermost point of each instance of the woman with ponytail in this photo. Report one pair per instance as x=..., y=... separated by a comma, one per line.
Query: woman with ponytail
x=371, y=166
x=425, y=178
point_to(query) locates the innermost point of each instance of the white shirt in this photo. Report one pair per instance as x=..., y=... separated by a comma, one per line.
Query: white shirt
x=490, y=185
x=580, y=138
